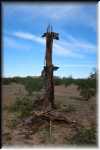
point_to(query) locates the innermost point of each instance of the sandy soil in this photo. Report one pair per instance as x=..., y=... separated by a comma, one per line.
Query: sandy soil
x=82, y=111
x=10, y=92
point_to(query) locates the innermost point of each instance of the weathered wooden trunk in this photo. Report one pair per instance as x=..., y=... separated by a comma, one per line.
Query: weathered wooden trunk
x=44, y=105
x=48, y=70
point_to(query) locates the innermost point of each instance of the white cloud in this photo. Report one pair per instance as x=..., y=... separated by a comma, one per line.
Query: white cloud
x=11, y=43
x=28, y=36
x=62, y=50
x=78, y=44
x=70, y=47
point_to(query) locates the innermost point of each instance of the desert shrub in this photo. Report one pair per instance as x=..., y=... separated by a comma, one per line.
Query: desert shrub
x=87, y=88
x=87, y=93
x=63, y=81
x=57, y=81
x=67, y=81
x=22, y=107
x=12, y=122
x=86, y=136
x=32, y=84
x=6, y=81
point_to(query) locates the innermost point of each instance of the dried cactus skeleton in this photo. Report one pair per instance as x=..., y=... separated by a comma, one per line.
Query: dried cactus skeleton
x=47, y=72
x=45, y=106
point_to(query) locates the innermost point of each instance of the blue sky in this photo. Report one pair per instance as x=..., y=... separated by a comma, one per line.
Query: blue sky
x=23, y=47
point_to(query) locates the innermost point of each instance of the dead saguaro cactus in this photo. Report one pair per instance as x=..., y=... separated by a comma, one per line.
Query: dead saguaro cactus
x=44, y=112
x=47, y=73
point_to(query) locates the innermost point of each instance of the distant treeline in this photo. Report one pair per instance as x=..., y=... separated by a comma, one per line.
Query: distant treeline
x=87, y=87
x=31, y=83
x=36, y=83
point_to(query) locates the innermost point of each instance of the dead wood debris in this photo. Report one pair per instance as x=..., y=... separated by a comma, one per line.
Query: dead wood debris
x=41, y=117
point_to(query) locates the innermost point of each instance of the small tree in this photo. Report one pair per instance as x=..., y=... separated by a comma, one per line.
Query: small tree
x=87, y=87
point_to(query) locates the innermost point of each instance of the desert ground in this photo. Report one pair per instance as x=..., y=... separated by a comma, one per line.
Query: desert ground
x=67, y=99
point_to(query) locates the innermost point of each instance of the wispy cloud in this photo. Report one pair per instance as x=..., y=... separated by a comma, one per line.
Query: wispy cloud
x=79, y=44
x=66, y=12
x=28, y=36
x=11, y=43
x=24, y=23
x=79, y=65
x=70, y=47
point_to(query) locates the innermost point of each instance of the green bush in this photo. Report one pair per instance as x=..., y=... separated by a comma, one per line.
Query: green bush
x=67, y=81
x=32, y=84
x=6, y=81
x=87, y=86
x=63, y=81
x=12, y=123
x=22, y=107
x=57, y=81
x=87, y=93
x=85, y=136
